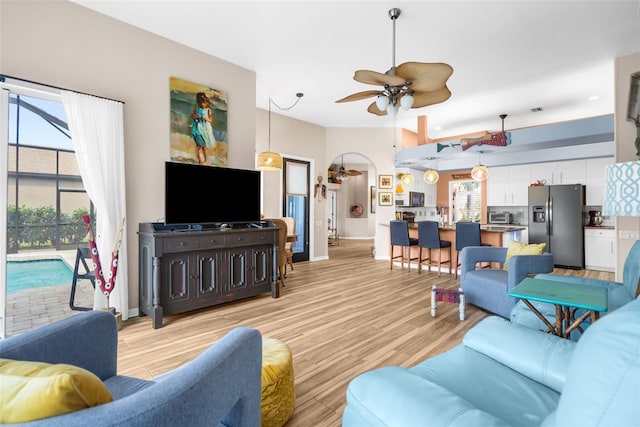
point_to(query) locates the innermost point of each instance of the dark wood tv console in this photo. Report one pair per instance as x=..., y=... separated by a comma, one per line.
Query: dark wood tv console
x=185, y=268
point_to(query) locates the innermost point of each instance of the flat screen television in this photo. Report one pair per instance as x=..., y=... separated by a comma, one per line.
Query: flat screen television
x=207, y=194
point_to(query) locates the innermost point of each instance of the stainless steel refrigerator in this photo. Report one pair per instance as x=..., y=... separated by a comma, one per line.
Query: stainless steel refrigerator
x=555, y=218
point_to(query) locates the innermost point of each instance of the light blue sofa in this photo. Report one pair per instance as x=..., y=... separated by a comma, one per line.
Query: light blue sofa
x=221, y=386
x=505, y=374
x=488, y=288
x=618, y=294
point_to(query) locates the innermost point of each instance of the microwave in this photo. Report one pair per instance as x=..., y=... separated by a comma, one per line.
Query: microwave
x=416, y=199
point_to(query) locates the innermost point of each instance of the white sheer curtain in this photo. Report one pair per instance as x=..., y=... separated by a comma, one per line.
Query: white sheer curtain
x=96, y=127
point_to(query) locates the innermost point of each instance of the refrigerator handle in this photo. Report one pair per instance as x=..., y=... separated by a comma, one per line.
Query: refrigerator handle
x=550, y=216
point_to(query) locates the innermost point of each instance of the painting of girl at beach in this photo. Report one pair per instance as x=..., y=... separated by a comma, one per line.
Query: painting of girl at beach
x=198, y=124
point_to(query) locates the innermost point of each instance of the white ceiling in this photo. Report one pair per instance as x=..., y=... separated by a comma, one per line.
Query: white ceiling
x=508, y=56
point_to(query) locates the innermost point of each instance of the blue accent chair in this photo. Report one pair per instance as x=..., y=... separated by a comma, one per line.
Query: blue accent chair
x=399, y=236
x=488, y=288
x=505, y=374
x=222, y=386
x=618, y=294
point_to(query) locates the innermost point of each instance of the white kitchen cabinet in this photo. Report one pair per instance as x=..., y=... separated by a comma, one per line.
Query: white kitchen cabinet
x=508, y=185
x=595, y=179
x=599, y=249
x=572, y=172
x=555, y=173
x=497, y=186
x=519, y=180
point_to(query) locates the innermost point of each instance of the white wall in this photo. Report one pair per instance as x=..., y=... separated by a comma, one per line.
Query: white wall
x=66, y=45
x=297, y=140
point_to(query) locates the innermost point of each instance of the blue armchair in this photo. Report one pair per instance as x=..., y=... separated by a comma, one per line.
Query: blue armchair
x=221, y=386
x=618, y=294
x=488, y=288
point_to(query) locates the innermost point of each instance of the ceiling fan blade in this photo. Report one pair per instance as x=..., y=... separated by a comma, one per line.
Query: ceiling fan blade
x=373, y=109
x=425, y=77
x=376, y=78
x=359, y=95
x=353, y=172
x=422, y=99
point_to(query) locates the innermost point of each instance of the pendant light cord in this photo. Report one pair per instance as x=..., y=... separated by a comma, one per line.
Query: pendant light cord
x=299, y=96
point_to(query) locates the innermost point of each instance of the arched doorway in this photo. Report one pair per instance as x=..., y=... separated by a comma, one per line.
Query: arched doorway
x=351, y=204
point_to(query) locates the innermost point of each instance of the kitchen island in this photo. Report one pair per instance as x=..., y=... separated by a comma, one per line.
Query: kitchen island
x=492, y=234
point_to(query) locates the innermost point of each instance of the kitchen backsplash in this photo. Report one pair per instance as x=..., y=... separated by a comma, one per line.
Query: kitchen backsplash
x=518, y=213
x=607, y=221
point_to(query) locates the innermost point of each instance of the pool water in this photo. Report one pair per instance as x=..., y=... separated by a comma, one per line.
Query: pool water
x=23, y=275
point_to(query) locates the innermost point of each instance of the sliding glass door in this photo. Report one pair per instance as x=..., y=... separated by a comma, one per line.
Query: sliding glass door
x=42, y=201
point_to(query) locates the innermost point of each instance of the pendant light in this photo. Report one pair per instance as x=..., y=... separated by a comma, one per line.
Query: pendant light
x=480, y=171
x=431, y=176
x=270, y=160
x=406, y=179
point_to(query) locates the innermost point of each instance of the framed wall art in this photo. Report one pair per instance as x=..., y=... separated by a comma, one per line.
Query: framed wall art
x=198, y=122
x=385, y=181
x=385, y=198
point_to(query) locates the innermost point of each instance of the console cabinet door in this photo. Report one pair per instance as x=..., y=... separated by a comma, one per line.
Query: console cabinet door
x=208, y=283
x=237, y=265
x=261, y=268
x=176, y=270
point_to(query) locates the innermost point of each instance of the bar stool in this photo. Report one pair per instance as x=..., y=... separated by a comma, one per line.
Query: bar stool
x=429, y=238
x=467, y=234
x=399, y=231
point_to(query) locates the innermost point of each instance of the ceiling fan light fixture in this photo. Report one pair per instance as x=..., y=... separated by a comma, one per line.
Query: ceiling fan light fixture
x=409, y=85
x=431, y=176
x=406, y=102
x=382, y=102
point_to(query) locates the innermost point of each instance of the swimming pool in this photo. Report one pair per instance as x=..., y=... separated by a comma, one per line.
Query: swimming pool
x=31, y=274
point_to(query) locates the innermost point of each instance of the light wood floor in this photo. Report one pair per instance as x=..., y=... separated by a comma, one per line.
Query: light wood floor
x=340, y=317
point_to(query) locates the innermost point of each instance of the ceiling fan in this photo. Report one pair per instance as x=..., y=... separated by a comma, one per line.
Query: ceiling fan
x=342, y=174
x=410, y=85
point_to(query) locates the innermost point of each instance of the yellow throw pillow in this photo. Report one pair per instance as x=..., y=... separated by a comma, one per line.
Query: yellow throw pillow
x=34, y=390
x=517, y=248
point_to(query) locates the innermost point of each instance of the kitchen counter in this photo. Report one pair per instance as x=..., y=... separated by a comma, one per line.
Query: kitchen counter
x=490, y=228
x=600, y=227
